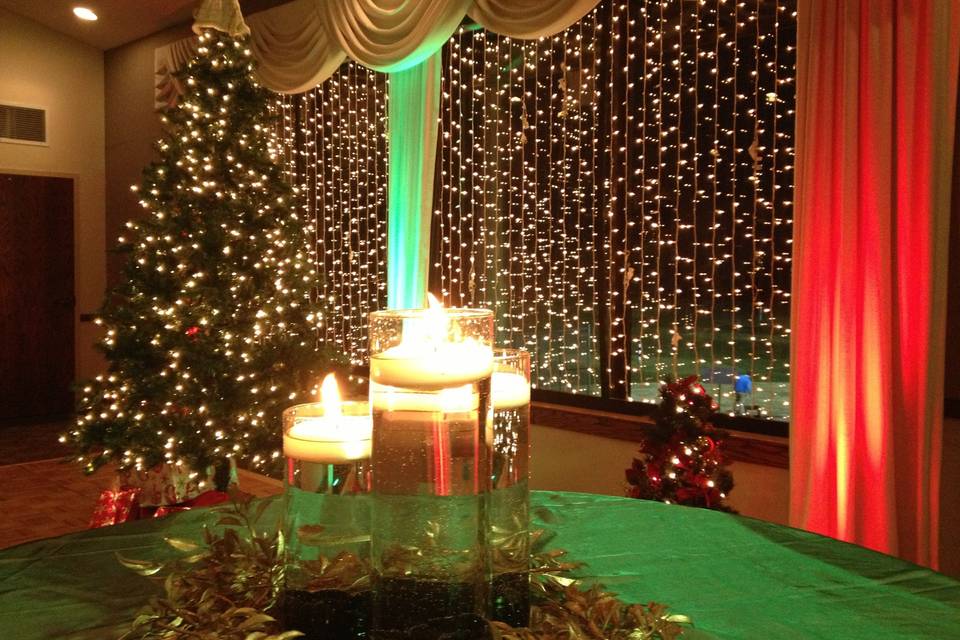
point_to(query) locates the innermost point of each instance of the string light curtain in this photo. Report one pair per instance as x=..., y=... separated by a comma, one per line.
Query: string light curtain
x=515, y=213
x=300, y=43
x=621, y=195
x=336, y=152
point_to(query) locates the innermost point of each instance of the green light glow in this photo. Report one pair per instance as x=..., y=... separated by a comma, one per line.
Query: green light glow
x=413, y=109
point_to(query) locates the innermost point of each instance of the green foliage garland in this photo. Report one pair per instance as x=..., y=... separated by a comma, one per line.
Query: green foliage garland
x=227, y=589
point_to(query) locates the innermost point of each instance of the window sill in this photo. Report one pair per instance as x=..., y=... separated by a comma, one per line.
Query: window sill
x=951, y=408
x=741, y=445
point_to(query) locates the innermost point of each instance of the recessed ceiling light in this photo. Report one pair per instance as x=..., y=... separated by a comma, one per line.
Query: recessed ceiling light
x=84, y=14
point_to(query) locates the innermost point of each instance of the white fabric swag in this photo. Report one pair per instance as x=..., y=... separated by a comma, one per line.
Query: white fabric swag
x=300, y=44
x=166, y=61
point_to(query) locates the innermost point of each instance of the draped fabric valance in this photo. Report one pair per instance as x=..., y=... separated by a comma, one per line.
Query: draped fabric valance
x=166, y=61
x=528, y=19
x=300, y=44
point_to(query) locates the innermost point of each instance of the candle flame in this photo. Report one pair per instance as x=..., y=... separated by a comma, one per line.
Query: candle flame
x=330, y=396
x=436, y=324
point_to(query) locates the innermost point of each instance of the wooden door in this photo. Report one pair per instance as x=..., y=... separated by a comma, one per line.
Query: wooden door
x=36, y=298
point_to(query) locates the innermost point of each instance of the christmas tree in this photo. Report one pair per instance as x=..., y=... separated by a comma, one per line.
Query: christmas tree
x=682, y=459
x=213, y=329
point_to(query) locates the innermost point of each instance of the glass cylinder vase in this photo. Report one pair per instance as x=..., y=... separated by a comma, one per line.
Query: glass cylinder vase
x=327, y=593
x=510, y=492
x=430, y=393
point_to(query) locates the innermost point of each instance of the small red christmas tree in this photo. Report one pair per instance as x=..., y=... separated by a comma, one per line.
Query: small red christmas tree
x=681, y=457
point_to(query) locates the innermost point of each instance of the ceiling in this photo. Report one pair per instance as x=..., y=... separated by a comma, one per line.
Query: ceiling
x=121, y=21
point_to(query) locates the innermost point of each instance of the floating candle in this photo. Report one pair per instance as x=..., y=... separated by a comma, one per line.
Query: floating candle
x=427, y=357
x=509, y=390
x=432, y=365
x=330, y=437
x=317, y=440
x=456, y=400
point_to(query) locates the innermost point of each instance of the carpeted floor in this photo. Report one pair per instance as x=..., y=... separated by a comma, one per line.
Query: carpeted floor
x=44, y=494
x=46, y=498
x=31, y=442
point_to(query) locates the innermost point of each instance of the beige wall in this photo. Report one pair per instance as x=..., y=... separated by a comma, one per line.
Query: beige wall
x=570, y=461
x=42, y=68
x=134, y=127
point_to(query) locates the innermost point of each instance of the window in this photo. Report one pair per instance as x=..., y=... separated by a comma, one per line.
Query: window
x=335, y=139
x=620, y=194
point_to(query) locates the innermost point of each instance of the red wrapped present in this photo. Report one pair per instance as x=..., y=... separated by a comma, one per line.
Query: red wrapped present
x=205, y=499
x=166, y=484
x=164, y=511
x=115, y=506
x=208, y=499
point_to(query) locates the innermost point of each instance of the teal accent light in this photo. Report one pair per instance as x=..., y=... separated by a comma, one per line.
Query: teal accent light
x=414, y=103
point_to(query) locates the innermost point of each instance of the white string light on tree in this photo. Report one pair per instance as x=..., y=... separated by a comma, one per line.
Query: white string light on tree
x=213, y=326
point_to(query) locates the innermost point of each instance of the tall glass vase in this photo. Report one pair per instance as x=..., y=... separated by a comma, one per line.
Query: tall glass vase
x=327, y=593
x=430, y=393
x=510, y=495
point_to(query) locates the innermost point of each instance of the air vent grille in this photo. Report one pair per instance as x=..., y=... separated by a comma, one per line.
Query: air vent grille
x=22, y=124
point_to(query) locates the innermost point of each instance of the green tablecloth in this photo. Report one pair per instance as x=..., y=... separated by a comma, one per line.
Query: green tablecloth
x=736, y=577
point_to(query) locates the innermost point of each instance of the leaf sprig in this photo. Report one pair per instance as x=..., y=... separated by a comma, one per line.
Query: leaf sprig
x=227, y=589
x=223, y=589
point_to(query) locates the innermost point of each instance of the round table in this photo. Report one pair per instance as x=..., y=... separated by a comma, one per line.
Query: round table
x=735, y=577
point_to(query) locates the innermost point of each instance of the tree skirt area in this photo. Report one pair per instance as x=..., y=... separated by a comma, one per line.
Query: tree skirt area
x=50, y=498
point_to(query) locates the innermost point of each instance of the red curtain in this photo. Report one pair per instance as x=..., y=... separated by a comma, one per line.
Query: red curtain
x=876, y=109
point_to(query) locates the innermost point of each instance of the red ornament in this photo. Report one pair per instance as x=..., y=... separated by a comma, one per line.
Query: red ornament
x=713, y=445
x=690, y=392
x=192, y=331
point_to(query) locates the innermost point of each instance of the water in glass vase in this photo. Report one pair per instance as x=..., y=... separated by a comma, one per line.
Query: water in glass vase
x=510, y=499
x=431, y=563
x=327, y=534
x=327, y=614
x=326, y=512
x=509, y=525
